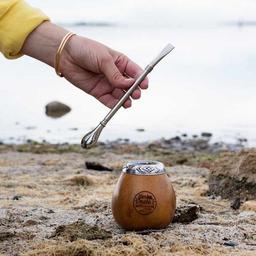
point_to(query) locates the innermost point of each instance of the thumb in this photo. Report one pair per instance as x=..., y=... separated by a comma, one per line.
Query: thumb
x=114, y=76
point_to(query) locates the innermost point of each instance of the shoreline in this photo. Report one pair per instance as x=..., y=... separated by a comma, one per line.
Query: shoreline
x=196, y=151
x=181, y=142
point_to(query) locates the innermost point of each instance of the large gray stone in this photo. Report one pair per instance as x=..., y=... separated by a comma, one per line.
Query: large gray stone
x=56, y=109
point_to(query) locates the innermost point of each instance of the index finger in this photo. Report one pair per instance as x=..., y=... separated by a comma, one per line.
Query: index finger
x=133, y=70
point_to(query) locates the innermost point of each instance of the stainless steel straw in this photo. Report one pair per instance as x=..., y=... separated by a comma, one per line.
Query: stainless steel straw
x=91, y=138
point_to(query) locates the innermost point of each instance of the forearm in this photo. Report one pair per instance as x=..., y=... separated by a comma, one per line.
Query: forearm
x=43, y=42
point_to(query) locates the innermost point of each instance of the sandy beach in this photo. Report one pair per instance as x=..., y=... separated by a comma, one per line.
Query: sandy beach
x=52, y=204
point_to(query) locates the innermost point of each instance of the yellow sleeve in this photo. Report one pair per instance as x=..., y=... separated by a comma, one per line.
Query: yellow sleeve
x=17, y=21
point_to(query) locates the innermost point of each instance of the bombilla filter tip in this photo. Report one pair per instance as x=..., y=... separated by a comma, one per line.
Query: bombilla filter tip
x=91, y=138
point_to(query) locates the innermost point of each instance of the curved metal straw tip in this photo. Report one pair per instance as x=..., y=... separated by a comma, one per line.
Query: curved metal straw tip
x=168, y=48
x=91, y=138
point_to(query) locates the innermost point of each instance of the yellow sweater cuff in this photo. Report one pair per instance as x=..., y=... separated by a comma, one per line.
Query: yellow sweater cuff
x=17, y=21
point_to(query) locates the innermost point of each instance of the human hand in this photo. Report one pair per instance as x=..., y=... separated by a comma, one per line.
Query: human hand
x=91, y=66
x=100, y=71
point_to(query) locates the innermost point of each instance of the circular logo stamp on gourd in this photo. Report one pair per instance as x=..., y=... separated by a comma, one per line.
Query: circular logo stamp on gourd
x=144, y=202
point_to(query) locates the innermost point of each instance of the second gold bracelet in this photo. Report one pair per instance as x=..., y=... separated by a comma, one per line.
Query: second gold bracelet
x=59, y=51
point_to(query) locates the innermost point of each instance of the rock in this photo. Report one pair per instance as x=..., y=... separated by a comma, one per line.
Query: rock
x=236, y=203
x=17, y=197
x=97, y=166
x=56, y=109
x=43, y=218
x=206, y=134
x=230, y=243
x=140, y=130
x=30, y=127
x=249, y=206
x=176, y=138
x=73, y=129
x=181, y=160
x=81, y=230
x=32, y=142
x=234, y=175
x=186, y=213
x=242, y=140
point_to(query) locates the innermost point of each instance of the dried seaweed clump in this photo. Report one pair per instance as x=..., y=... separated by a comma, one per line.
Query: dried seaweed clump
x=128, y=245
x=79, y=180
x=81, y=230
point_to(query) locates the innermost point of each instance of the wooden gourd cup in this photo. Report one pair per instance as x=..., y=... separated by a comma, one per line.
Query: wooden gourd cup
x=143, y=197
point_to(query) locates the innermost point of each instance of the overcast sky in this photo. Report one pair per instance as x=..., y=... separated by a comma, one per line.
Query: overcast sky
x=170, y=12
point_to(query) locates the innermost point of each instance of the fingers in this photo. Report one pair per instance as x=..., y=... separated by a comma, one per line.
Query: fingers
x=132, y=70
x=113, y=75
x=136, y=94
x=122, y=65
x=118, y=94
x=127, y=104
x=109, y=96
x=115, y=68
x=144, y=84
x=110, y=101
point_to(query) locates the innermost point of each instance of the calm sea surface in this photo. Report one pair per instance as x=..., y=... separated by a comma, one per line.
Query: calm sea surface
x=208, y=83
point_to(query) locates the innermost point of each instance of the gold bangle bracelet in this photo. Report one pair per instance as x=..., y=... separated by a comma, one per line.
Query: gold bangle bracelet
x=59, y=51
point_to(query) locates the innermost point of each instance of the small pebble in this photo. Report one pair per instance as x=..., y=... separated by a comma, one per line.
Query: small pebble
x=186, y=213
x=97, y=166
x=176, y=138
x=30, y=127
x=206, y=134
x=230, y=243
x=16, y=197
x=236, y=203
x=241, y=140
x=56, y=109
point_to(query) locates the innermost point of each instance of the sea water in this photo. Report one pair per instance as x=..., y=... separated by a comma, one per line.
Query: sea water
x=206, y=84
